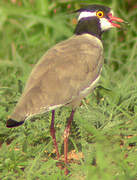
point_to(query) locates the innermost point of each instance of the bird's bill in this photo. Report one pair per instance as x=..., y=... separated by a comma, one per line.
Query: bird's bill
x=113, y=18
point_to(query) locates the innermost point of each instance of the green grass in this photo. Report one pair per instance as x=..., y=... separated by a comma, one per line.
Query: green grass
x=104, y=128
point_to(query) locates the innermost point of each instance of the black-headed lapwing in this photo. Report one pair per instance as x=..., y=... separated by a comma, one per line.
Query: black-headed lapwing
x=67, y=72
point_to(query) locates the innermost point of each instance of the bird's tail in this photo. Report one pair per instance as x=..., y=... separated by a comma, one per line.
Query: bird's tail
x=13, y=123
x=15, y=119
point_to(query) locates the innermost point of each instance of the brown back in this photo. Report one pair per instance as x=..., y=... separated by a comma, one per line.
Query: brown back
x=59, y=77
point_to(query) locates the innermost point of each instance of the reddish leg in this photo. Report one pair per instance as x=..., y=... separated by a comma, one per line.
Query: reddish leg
x=52, y=133
x=66, y=135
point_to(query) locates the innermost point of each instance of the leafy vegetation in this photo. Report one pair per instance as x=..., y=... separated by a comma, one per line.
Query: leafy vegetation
x=103, y=137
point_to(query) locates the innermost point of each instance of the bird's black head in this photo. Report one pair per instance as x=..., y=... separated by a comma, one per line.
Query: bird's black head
x=95, y=19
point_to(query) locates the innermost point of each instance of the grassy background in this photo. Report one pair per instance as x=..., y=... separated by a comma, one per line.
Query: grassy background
x=104, y=131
